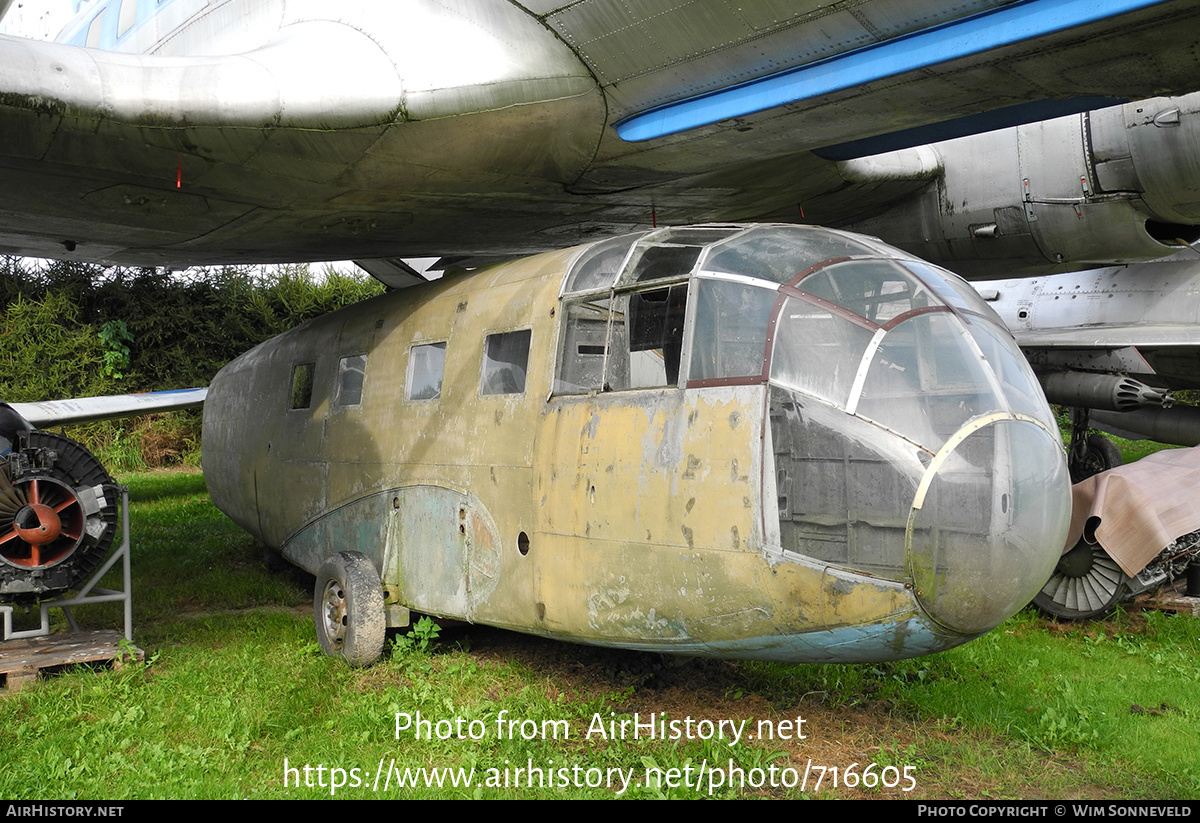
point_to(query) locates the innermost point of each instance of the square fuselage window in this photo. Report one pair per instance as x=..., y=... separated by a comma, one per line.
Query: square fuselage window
x=426, y=365
x=302, y=385
x=505, y=359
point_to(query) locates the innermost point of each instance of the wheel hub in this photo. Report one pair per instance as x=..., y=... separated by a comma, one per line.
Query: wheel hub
x=333, y=613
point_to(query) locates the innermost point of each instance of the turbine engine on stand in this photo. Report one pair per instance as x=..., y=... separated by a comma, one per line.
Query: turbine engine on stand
x=58, y=512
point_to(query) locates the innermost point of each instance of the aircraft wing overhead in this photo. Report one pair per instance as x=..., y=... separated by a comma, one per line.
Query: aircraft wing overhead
x=258, y=130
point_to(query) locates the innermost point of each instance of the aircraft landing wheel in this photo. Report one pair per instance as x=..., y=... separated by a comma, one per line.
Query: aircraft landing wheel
x=348, y=609
x=1098, y=454
x=1085, y=584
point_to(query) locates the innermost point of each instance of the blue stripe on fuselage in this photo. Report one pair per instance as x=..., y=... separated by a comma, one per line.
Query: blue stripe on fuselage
x=77, y=33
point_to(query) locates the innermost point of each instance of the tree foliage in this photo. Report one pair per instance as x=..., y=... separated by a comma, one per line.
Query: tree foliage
x=77, y=330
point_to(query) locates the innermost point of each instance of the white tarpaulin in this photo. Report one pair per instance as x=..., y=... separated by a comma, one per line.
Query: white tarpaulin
x=1135, y=511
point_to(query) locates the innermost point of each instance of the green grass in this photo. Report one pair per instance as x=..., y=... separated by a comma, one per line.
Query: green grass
x=1134, y=450
x=235, y=684
x=1076, y=692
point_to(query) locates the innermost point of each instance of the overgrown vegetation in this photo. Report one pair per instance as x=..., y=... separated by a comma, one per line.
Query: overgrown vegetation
x=236, y=687
x=77, y=330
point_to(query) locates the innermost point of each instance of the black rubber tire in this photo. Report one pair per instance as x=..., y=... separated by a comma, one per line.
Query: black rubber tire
x=1101, y=455
x=348, y=609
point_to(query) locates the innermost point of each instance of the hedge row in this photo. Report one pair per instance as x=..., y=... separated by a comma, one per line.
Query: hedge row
x=79, y=330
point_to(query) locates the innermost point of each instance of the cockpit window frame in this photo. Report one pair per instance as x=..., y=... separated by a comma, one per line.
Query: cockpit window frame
x=889, y=304
x=962, y=316
x=698, y=280
x=791, y=289
x=593, y=253
x=611, y=297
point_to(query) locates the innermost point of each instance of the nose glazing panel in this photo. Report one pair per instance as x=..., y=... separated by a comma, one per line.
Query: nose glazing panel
x=844, y=486
x=897, y=396
x=986, y=525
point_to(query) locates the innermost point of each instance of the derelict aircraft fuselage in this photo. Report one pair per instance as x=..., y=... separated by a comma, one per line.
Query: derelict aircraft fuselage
x=772, y=442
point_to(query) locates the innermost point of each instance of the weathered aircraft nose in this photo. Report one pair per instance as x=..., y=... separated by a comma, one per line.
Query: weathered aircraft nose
x=985, y=528
x=970, y=529
x=911, y=443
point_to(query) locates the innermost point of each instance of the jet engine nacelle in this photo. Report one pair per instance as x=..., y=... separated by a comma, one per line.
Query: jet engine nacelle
x=1116, y=185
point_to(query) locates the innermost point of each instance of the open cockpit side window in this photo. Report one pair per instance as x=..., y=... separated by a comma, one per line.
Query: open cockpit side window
x=655, y=333
x=624, y=311
x=632, y=339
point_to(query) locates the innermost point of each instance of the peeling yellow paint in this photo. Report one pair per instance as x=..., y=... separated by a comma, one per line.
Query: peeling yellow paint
x=633, y=516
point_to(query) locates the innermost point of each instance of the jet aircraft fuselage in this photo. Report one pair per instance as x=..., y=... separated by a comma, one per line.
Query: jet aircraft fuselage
x=1115, y=185
x=772, y=442
x=189, y=132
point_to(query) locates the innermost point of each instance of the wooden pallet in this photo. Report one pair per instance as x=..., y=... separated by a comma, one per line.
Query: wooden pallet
x=21, y=660
x=1180, y=604
x=1171, y=598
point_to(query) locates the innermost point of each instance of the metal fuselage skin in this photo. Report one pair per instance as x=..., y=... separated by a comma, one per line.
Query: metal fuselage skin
x=189, y=132
x=595, y=506
x=1114, y=185
x=1141, y=319
x=1098, y=328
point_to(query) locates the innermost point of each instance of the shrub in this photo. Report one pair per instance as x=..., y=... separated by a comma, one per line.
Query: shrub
x=77, y=330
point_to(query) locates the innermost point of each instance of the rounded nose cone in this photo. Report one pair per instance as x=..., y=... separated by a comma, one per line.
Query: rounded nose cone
x=991, y=526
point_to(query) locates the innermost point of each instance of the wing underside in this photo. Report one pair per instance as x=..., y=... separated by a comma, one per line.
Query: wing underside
x=408, y=129
x=1110, y=337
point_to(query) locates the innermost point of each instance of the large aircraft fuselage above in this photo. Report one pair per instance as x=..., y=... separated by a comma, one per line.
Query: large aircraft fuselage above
x=1116, y=185
x=770, y=442
x=259, y=130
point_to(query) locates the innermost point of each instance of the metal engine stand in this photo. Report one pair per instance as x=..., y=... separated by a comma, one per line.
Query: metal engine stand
x=23, y=653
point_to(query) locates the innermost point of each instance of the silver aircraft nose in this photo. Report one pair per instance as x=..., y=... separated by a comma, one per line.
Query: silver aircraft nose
x=912, y=443
x=984, y=530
